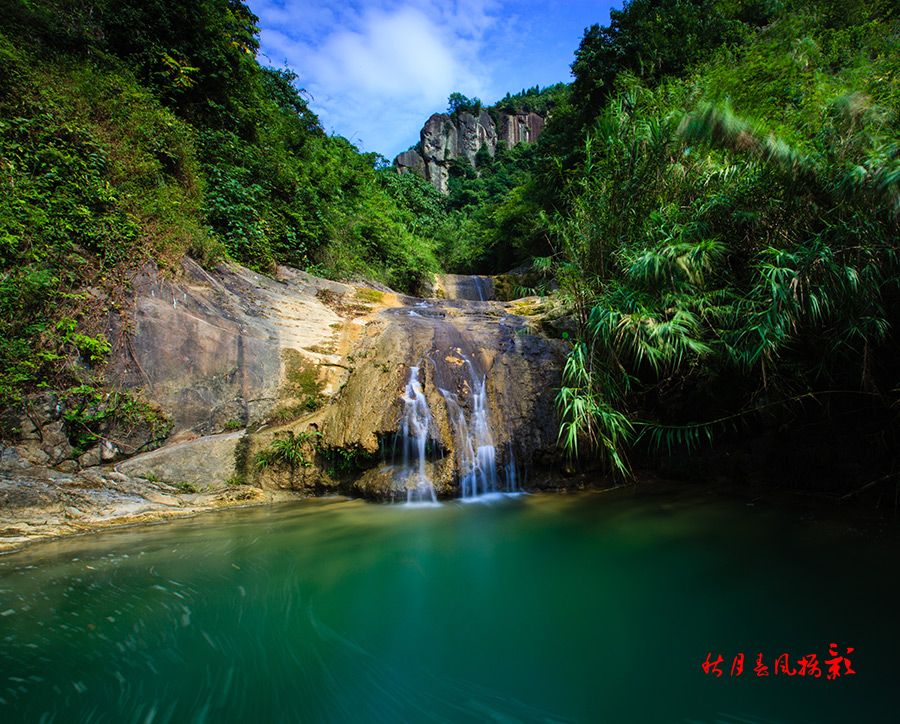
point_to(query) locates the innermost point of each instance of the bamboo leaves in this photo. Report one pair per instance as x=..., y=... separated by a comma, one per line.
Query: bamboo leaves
x=719, y=251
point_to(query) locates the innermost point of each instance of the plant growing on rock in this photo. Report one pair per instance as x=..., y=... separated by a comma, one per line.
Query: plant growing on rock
x=290, y=451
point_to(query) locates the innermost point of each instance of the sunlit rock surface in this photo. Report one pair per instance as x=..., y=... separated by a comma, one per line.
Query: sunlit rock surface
x=293, y=383
x=444, y=138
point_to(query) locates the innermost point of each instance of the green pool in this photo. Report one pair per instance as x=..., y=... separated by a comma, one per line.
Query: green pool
x=541, y=608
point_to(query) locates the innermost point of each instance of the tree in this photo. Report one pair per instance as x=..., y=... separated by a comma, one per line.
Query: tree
x=458, y=103
x=651, y=39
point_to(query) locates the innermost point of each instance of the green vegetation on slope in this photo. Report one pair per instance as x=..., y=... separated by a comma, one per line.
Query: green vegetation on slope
x=726, y=225
x=138, y=132
x=717, y=193
x=492, y=222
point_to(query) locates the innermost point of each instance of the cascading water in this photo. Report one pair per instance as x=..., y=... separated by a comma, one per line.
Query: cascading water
x=457, y=373
x=415, y=426
x=512, y=475
x=471, y=288
x=478, y=289
x=476, y=454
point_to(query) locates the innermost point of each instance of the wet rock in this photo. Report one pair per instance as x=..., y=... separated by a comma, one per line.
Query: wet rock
x=45, y=406
x=22, y=426
x=459, y=286
x=449, y=342
x=219, y=349
x=390, y=482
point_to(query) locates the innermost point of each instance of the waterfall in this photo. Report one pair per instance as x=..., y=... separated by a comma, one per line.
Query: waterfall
x=477, y=282
x=457, y=374
x=471, y=288
x=415, y=426
x=476, y=455
x=512, y=476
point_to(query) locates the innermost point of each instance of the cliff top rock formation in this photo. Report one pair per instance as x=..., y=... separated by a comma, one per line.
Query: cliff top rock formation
x=445, y=137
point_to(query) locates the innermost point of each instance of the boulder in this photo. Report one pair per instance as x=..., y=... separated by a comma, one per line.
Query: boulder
x=410, y=162
x=207, y=462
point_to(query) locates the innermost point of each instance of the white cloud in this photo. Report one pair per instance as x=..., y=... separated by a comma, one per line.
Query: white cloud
x=397, y=55
x=376, y=70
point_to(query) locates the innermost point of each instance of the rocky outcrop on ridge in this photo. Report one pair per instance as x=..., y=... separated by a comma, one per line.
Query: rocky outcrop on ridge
x=444, y=138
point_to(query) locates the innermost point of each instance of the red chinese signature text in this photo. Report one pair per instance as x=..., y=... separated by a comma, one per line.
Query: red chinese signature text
x=807, y=665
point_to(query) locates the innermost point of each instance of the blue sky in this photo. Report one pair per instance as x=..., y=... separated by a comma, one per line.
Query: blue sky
x=377, y=69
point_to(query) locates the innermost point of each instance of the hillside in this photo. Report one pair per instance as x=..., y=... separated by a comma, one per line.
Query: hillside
x=715, y=197
x=135, y=133
x=721, y=196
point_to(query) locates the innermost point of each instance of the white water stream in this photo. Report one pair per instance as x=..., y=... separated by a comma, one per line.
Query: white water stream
x=474, y=445
x=415, y=427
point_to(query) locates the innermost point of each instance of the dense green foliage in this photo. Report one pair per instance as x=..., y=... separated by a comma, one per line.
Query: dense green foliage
x=458, y=103
x=135, y=132
x=717, y=195
x=726, y=223
x=534, y=100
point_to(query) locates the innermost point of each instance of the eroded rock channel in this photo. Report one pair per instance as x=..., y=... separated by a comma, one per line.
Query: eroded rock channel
x=293, y=383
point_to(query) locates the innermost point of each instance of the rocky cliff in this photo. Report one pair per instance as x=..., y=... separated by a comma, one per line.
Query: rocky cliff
x=271, y=385
x=444, y=138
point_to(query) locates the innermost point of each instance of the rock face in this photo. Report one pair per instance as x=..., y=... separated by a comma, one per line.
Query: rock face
x=443, y=139
x=231, y=348
x=456, y=345
x=289, y=383
x=520, y=128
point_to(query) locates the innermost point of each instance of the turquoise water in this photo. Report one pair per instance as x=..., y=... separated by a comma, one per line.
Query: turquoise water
x=568, y=608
